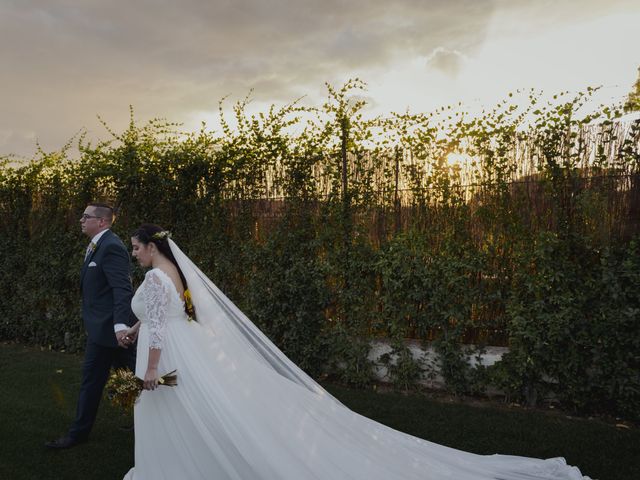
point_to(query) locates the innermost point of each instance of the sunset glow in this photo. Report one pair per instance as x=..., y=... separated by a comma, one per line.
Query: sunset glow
x=64, y=64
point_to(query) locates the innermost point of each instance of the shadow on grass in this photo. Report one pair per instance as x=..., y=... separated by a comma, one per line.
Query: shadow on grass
x=38, y=401
x=39, y=391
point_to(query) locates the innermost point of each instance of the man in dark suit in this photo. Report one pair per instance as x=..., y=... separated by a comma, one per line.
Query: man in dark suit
x=106, y=311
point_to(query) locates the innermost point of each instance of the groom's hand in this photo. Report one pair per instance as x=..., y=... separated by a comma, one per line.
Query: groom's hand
x=121, y=336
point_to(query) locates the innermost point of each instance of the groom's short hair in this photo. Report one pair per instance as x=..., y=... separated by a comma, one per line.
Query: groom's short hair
x=104, y=210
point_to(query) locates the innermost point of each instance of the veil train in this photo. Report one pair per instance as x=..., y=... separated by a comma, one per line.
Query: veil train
x=222, y=317
x=315, y=433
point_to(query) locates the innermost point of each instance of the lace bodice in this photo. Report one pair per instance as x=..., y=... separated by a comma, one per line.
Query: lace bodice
x=157, y=302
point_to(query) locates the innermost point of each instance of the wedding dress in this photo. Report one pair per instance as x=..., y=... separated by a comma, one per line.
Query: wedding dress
x=243, y=411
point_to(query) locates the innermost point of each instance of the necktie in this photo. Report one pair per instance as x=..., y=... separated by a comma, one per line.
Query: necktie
x=90, y=249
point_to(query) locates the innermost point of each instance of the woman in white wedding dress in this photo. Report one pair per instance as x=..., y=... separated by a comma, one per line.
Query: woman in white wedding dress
x=243, y=411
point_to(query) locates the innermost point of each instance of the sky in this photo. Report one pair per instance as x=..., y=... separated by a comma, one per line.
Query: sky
x=63, y=63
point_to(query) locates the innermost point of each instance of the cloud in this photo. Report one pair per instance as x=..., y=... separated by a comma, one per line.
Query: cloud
x=66, y=61
x=447, y=61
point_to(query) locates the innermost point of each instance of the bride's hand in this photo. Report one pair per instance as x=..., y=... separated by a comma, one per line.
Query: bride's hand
x=151, y=379
x=131, y=335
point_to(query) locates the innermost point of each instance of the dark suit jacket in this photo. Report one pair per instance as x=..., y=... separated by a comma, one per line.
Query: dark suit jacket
x=105, y=282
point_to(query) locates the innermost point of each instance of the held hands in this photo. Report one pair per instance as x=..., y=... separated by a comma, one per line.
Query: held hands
x=123, y=339
x=132, y=334
x=151, y=379
x=127, y=337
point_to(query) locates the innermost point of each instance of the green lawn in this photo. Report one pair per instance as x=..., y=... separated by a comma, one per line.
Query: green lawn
x=38, y=402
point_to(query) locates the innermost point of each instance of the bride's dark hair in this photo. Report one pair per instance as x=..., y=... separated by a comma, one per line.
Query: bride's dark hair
x=149, y=233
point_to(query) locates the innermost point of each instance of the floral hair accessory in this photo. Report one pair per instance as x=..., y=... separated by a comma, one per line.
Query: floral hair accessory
x=163, y=235
x=189, y=305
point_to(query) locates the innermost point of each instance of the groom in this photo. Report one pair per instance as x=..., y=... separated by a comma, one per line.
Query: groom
x=106, y=311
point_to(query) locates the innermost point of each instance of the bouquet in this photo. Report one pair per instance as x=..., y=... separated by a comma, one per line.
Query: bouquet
x=124, y=388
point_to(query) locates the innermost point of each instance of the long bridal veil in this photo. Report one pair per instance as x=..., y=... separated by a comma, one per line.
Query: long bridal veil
x=297, y=431
x=222, y=318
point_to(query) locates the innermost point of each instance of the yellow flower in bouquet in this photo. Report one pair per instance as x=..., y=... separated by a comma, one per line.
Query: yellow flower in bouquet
x=124, y=388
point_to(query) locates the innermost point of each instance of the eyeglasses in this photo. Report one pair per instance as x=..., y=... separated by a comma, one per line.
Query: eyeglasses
x=86, y=216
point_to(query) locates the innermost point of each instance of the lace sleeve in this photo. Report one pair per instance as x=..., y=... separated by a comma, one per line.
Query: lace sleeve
x=156, y=301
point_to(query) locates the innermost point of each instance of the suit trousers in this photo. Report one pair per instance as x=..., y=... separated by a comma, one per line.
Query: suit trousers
x=97, y=364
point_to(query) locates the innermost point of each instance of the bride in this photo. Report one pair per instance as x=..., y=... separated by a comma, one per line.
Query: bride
x=243, y=411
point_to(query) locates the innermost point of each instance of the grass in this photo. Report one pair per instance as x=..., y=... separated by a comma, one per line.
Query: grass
x=39, y=391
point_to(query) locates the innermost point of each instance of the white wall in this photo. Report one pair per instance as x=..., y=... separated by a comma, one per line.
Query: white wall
x=380, y=347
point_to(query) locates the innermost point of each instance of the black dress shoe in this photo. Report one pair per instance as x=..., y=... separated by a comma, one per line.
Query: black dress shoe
x=63, y=442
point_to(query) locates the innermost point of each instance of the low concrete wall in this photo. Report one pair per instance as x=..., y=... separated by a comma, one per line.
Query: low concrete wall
x=427, y=356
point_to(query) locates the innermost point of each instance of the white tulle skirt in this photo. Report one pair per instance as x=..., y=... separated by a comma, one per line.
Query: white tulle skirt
x=237, y=419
